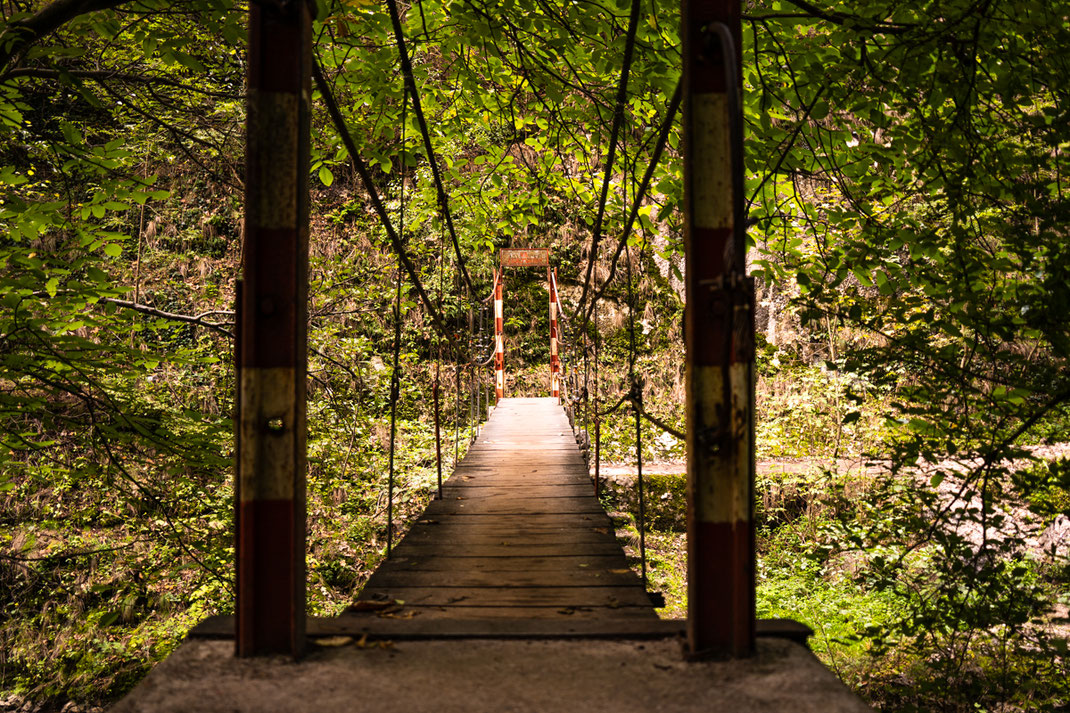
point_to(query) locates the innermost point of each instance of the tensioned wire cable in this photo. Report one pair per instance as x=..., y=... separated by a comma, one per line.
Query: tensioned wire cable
x=395, y=377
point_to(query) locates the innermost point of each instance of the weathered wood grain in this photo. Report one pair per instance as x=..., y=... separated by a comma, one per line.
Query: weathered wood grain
x=518, y=535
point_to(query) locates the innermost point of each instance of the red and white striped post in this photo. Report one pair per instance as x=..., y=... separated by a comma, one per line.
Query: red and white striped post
x=719, y=335
x=270, y=477
x=499, y=339
x=555, y=363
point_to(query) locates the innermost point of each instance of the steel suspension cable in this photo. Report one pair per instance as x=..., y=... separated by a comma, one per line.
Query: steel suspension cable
x=395, y=377
x=597, y=416
x=586, y=390
x=435, y=390
x=377, y=204
x=636, y=392
x=410, y=83
x=395, y=384
x=644, y=185
x=457, y=401
x=618, y=118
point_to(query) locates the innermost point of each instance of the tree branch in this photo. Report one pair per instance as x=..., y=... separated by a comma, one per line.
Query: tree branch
x=101, y=75
x=199, y=319
x=850, y=21
x=20, y=34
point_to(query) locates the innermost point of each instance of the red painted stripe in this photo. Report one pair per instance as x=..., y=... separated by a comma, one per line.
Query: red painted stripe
x=277, y=53
x=267, y=543
x=707, y=72
x=721, y=617
x=269, y=308
x=708, y=322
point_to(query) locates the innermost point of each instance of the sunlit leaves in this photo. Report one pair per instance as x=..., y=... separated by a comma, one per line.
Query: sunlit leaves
x=910, y=210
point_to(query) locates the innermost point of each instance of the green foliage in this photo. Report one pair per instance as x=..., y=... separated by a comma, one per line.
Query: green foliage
x=907, y=192
x=905, y=171
x=805, y=411
x=1046, y=486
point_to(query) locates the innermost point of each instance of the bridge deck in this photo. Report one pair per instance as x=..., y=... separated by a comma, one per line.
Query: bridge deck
x=518, y=534
x=516, y=597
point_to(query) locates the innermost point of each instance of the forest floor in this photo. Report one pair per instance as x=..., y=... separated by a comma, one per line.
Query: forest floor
x=791, y=514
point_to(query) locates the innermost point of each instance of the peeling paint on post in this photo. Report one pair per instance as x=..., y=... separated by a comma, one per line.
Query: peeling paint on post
x=270, y=490
x=499, y=339
x=555, y=362
x=720, y=351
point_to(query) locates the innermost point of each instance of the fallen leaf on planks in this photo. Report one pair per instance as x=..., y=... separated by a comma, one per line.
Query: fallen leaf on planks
x=364, y=643
x=369, y=605
x=333, y=640
x=399, y=614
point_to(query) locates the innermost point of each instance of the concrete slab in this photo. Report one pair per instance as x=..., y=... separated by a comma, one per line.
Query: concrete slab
x=491, y=676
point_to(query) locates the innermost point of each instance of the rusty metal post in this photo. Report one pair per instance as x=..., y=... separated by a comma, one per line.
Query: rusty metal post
x=473, y=408
x=719, y=334
x=438, y=433
x=597, y=403
x=271, y=374
x=555, y=363
x=499, y=339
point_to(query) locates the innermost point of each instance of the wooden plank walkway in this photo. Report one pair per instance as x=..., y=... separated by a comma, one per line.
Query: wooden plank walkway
x=517, y=535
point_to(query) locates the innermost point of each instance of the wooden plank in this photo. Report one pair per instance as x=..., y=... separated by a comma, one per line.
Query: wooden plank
x=517, y=487
x=501, y=624
x=606, y=596
x=553, y=612
x=505, y=541
x=516, y=525
x=449, y=563
x=514, y=499
x=456, y=516
x=538, y=550
x=518, y=535
x=505, y=508
x=498, y=624
x=622, y=577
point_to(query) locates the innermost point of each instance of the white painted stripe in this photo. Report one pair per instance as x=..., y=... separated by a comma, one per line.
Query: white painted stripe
x=268, y=429
x=711, y=182
x=720, y=476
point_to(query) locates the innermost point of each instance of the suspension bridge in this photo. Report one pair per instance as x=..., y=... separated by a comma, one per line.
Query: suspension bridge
x=511, y=591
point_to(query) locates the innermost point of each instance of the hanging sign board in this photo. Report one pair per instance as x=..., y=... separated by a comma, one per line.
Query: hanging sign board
x=525, y=257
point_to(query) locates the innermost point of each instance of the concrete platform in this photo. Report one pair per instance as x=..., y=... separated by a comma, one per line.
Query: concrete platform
x=490, y=676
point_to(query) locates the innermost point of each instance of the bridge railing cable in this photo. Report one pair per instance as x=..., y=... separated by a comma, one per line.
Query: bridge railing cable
x=464, y=345
x=395, y=376
x=641, y=191
x=632, y=395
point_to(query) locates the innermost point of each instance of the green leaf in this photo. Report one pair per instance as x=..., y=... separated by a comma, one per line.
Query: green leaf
x=325, y=176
